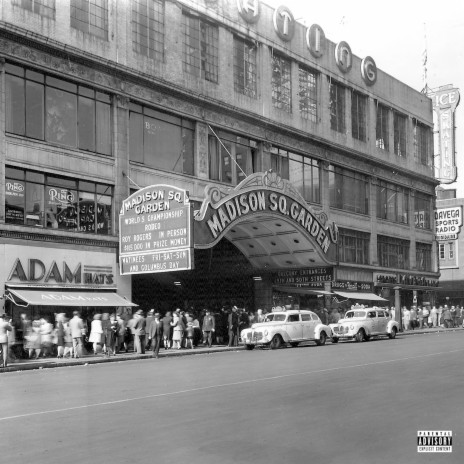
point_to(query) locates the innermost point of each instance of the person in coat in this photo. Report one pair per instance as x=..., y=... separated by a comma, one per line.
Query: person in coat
x=155, y=333
x=232, y=325
x=77, y=327
x=208, y=327
x=96, y=333
x=167, y=319
x=5, y=327
x=140, y=325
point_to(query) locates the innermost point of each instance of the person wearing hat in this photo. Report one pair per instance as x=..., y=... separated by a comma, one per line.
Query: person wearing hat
x=149, y=320
x=140, y=325
x=208, y=328
x=155, y=332
x=96, y=333
x=232, y=325
x=5, y=327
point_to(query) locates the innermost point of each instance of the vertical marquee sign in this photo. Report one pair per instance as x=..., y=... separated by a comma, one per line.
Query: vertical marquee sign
x=155, y=231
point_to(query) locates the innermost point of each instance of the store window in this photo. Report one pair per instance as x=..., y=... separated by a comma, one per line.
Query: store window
x=245, y=68
x=422, y=211
x=302, y=171
x=281, y=83
x=57, y=111
x=393, y=252
x=399, y=134
x=382, y=132
x=161, y=140
x=231, y=157
x=423, y=143
x=41, y=200
x=348, y=190
x=91, y=17
x=424, y=257
x=358, y=116
x=392, y=202
x=201, y=52
x=308, y=94
x=337, y=107
x=353, y=246
x=44, y=8
x=148, y=28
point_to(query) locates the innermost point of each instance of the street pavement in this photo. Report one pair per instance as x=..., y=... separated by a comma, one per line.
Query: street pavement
x=52, y=362
x=340, y=403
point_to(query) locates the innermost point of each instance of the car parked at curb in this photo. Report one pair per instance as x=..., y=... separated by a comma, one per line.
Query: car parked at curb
x=361, y=324
x=286, y=327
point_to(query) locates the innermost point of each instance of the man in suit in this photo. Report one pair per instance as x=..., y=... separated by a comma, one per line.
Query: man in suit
x=155, y=333
x=5, y=327
x=76, y=324
x=208, y=327
x=232, y=324
x=140, y=324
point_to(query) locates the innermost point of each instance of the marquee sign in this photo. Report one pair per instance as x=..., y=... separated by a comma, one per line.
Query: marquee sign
x=257, y=195
x=445, y=102
x=448, y=222
x=155, y=231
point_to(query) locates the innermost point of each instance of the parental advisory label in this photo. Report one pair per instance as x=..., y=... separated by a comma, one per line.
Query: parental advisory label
x=434, y=441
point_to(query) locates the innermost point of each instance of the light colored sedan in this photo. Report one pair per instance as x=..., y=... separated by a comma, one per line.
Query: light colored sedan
x=363, y=323
x=280, y=328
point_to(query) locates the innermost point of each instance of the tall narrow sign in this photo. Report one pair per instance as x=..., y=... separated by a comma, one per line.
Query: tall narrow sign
x=155, y=227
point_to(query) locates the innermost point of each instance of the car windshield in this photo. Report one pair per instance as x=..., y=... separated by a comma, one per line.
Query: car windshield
x=351, y=314
x=275, y=317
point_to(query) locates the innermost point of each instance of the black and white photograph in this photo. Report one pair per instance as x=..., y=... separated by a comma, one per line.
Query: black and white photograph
x=231, y=232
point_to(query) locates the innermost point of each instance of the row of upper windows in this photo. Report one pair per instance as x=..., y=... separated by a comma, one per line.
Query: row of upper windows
x=354, y=246
x=201, y=59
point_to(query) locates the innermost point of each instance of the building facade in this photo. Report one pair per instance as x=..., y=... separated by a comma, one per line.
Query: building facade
x=102, y=97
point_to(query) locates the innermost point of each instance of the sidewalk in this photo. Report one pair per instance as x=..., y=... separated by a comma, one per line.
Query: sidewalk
x=47, y=363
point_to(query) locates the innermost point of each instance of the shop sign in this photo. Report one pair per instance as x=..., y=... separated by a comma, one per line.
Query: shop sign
x=303, y=277
x=445, y=102
x=261, y=194
x=155, y=231
x=248, y=10
x=404, y=279
x=14, y=201
x=448, y=222
x=284, y=23
x=343, y=56
x=50, y=266
x=352, y=286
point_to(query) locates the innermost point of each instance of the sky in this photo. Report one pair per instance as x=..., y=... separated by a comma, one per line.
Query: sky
x=396, y=33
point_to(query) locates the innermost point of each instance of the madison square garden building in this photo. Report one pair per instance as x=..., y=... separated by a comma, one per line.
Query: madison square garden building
x=310, y=168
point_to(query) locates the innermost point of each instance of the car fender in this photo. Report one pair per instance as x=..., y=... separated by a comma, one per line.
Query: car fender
x=283, y=333
x=392, y=324
x=322, y=328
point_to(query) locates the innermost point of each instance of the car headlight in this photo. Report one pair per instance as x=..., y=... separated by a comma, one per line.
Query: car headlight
x=351, y=326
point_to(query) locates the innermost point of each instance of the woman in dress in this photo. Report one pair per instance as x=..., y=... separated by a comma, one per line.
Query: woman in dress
x=59, y=332
x=33, y=343
x=96, y=332
x=106, y=336
x=178, y=333
x=46, y=332
x=68, y=341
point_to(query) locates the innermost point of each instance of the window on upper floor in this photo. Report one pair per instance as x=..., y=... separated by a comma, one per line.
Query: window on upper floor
x=422, y=210
x=382, y=132
x=441, y=250
x=57, y=111
x=201, y=52
x=451, y=250
x=423, y=144
x=447, y=194
x=49, y=201
x=44, y=8
x=160, y=140
x=148, y=28
x=245, y=68
x=399, y=134
x=91, y=17
x=353, y=246
x=392, y=202
x=358, y=116
x=337, y=107
x=308, y=94
x=348, y=190
x=393, y=252
x=302, y=171
x=281, y=83
x=231, y=157
x=424, y=256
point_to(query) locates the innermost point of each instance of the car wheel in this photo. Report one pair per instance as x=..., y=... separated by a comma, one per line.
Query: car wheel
x=294, y=344
x=360, y=336
x=334, y=340
x=392, y=334
x=249, y=347
x=367, y=338
x=322, y=339
x=276, y=342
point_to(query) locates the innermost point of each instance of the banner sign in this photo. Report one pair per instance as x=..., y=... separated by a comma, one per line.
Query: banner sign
x=448, y=222
x=352, y=286
x=262, y=194
x=155, y=231
x=303, y=277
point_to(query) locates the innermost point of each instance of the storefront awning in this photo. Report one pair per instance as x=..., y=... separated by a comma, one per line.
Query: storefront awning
x=301, y=290
x=361, y=296
x=44, y=297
